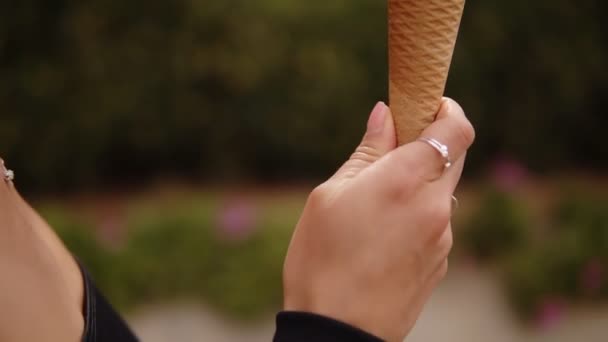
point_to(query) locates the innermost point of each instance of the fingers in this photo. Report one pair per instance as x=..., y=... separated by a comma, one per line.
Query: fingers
x=5, y=185
x=379, y=139
x=451, y=129
x=443, y=246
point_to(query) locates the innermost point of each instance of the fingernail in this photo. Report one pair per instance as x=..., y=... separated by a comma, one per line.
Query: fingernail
x=376, y=121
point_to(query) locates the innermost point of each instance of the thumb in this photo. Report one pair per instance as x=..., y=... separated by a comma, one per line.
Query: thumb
x=379, y=139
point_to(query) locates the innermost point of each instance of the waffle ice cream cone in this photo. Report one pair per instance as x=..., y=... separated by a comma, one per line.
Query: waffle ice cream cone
x=422, y=37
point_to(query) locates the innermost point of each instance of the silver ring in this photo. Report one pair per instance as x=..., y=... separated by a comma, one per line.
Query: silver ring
x=455, y=204
x=9, y=175
x=441, y=148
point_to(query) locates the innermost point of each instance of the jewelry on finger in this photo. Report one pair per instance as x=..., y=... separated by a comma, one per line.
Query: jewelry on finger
x=443, y=150
x=455, y=204
x=9, y=175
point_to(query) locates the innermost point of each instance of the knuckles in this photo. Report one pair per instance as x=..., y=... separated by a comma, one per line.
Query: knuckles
x=402, y=188
x=446, y=242
x=367, y=154
x=440, y=215
x=319, y=198
x=466, y=132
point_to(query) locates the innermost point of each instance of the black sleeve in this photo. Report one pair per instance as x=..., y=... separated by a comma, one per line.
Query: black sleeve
x=102, y=322
x=306, y=327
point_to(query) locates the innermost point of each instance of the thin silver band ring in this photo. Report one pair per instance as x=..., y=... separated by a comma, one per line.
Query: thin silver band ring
x=9, y=175
x=443, y=150
x=455, y=204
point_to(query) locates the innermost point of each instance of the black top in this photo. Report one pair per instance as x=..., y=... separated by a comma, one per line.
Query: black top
x=104, y=324
x=306, y=327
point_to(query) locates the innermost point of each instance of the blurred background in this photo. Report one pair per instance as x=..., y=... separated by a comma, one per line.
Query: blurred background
x=172, y=145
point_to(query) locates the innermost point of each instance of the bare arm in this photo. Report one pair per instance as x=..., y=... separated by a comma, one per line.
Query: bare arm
x=41, y=292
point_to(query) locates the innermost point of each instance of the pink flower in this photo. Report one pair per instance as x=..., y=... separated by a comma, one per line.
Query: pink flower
x=551, y=312
x=237, y=220
x=592, y=277
x=508, y=174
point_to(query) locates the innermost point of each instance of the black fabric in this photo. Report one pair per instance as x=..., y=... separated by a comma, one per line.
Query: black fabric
x=306, y=327
x=102, y=322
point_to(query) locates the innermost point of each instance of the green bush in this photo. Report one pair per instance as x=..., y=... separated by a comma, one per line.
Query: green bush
x=499, y=226
x=564, y=260
x=586, y=216
x=181, y=253
x=541, y=272
x=276, y=89
x=570, y=263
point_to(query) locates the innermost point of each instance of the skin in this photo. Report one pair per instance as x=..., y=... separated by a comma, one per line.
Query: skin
x=373, y=241
x=41, y=292
x=369, y=249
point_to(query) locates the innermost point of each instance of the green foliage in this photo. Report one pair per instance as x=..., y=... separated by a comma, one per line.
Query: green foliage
x=275, y=89
x=498, y=227
x=181, y=254
x=585, y=216
x=565, y=261
x=224, y=90
x=551, y=270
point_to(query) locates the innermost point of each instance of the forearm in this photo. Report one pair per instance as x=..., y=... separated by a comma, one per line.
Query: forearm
x=67, y=266
x=38, y=295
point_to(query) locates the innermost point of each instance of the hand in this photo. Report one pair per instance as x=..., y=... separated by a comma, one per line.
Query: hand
x=41, y=291
x=373, y=241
